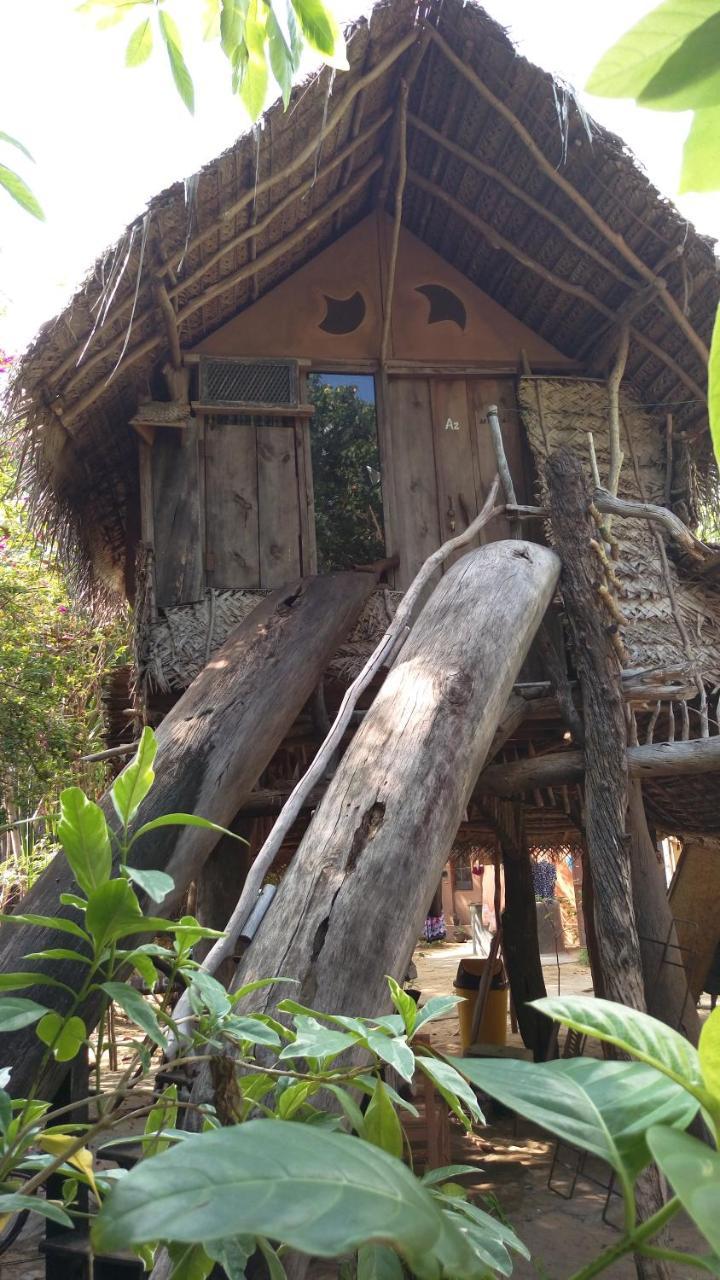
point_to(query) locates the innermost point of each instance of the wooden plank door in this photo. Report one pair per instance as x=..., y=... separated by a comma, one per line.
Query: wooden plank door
x=177, y=516
x=231, y=487
x=278, y=505
x=457, y=497
x=483, y=392
x=416, y=527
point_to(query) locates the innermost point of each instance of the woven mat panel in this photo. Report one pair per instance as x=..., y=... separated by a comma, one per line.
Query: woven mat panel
x=561, y=411
x=174, y=649
x=684, y=805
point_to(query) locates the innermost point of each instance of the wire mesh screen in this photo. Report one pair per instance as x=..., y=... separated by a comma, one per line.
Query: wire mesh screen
x=248, y=382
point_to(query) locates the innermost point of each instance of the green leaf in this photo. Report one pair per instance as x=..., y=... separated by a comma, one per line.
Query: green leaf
x=453, y=1088
x=350, y=1107
x=433, y=1176
x=17, y=981
x=436, y=1007
x=142, y=963
x=57, y=953
x=20, y=191
x=156, y=884
x=233, y=1255
x=183, y=820
x=232, y=25
x=190, y=1262
x=294, y=1097
x=73, y=900
x=367, y=1084
x=211, y=19
x=276, y=1270
x=634, y=1032
x=489, y=1251
x=65, y=1036
x=6, y=1110
x=701, y=153
x=163, y=1116
x=281, y=60
x=405, y=1005
x=132, y=785
x=47, y=922
x=693, y=1171
x=207, y=993
x=377, y=1262
x=32, y=1204
x=84, y=836
x=180, y=73
x=631, y=63
x=321, y=31
x=139, y=45
x=251, y=1029
x=382, y=1126
x=602, y=1107
x=709, y=1051
x=15, y=1013
x=13, y=142
x=492, y=1228
x=313, y=1040
x=395, y=1051
x=690, y=77
x=114, y=912
x=137, y=1009
x=254, y=83
x=322, y=1193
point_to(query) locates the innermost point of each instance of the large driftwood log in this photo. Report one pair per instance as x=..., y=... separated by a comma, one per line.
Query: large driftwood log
x=654, y=760
x=606, y=781
x=212, y=748
x=352, y=903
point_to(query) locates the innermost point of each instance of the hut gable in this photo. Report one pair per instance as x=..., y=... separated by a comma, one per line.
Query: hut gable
x=332, y=309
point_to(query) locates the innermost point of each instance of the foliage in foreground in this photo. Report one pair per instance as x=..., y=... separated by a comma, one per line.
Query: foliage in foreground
x=303, y=1145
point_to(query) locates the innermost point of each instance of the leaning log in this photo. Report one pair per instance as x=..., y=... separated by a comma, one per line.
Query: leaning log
x=655, y=760
x=351, y=905
x=212, y=748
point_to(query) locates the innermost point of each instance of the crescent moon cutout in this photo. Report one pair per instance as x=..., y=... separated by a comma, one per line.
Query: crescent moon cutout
x=343, y=315
x=444, y=304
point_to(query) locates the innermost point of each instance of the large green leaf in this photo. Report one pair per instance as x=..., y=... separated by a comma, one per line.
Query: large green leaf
x=382, y=1126
x=20, y=191
x=709, y=1051
x=32, y=1204
x=232, y=24
x=281, y=61
x=65, y=1036
x=313, y=1040
x=634, y=1032
x=137, y=1008
x=178, y=66
x=701, y=153
x=404, y=1004
x=156, y=884
x=321, y=31
x=132, y=785
x=254, y=83
x=395, y=1051
x=15, y=1013
x=114, y=912
x=693, y=1171
x=436, y=1007
x=628, y=67
x=139, y=45
x=14, y=142
x=453, y=1088
x=183, y=820
x=190, y=1262
x=47, y=922
x=84, y=836
x=690, y=77
x=18, y=981
x=324, y=1194
x=602, y=1107
x=377, y=1262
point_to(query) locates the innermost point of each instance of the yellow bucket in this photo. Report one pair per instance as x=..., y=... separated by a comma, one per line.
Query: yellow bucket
x=493, y=1027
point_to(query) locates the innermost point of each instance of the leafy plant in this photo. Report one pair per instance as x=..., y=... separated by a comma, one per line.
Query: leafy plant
x=670, y=61
x=14, y=184
x=628, y=1114
x=286, y=1171
x=259, y=38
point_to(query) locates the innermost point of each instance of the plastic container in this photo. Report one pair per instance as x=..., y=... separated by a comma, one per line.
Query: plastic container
x=493, y=1027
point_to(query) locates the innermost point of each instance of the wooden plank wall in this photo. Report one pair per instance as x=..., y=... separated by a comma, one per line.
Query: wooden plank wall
x=177, y=516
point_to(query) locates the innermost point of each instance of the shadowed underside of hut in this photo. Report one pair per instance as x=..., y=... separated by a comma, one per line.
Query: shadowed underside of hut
x=316, y=355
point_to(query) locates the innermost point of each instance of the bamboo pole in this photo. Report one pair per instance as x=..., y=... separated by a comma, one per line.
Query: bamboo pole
x=613, y=237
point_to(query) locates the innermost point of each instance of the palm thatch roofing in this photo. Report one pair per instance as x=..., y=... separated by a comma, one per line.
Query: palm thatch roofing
x=508, y=180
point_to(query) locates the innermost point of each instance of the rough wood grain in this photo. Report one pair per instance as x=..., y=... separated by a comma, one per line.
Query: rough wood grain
x=415, y=516
x=352, y=903
x=694, y=897
x=278, y=502
x=653, y=760
x=232, y=521
x=456, y=497
x=177, y=517
x=212, y=748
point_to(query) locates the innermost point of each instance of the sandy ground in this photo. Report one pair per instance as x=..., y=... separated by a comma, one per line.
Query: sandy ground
x=513, y=1161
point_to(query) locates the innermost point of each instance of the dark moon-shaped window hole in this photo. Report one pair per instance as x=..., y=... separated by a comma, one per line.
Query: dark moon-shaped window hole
x=444, y=304
x=343, y=315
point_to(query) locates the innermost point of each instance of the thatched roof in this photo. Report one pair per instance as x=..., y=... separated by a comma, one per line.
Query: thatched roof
x=487, y=159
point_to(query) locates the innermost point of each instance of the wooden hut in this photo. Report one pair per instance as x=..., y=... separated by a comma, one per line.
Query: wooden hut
x=445, y=229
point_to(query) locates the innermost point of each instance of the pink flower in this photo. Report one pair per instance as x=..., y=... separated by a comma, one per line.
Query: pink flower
x=62, y=608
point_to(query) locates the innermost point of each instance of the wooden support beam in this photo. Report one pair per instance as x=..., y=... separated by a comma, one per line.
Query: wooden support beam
x=655, y=760
x=361, y=881
x=212, y=747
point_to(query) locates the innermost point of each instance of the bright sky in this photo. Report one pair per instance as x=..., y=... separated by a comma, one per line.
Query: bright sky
x=105, y=139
